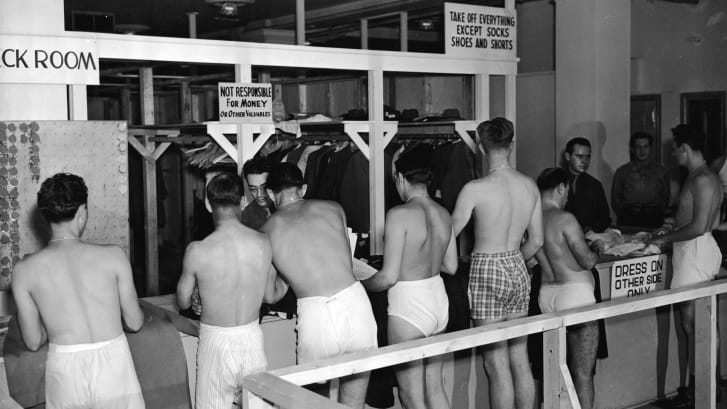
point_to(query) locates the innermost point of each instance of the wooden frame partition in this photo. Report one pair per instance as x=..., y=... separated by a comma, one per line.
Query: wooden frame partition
x=279, y=388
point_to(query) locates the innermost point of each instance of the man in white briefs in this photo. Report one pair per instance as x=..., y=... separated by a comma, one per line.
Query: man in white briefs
x=565, y=263
x=696, y=256
x=419, y=244
x=505, y=205
x=312, y=253
x=76, y=295
x=231, y=267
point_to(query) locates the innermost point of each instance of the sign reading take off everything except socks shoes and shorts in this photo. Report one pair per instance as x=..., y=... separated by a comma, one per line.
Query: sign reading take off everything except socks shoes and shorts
x=478, y=31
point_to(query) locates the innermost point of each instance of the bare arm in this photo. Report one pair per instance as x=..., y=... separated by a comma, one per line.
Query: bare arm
x=701, y=192
x=535, y=231
x=577, y=243
x=394, y=237
x=187, y=281
x=31, y=326
x=463, y=209
x=450, y=262
x=275, y=288
x=130, y=310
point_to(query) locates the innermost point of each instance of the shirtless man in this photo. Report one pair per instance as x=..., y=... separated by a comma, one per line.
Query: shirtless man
x=419, y=244
x=565, y=264
x=312, y=253
x=505, y=204
x=696, y=257
x=75, y=295
x=231, y=268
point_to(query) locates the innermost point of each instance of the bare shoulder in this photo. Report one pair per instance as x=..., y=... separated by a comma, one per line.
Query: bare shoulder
x=110, y=253
x=23, y=269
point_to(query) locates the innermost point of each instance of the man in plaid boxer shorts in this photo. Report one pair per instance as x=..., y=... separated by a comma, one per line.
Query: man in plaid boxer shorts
x=506, y=204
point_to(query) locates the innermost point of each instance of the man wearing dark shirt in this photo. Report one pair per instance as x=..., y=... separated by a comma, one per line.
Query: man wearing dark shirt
x=256, y=213
x=587, y=202
x=640, y=189
x=586, y=198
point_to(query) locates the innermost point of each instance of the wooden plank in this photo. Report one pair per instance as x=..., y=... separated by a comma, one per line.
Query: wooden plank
x=624, y=306
x=554, y=354
x=285, y=394
x=417, y=349
x=139, y=147
x=705, y=360
x=146, y=78
x=151, y=230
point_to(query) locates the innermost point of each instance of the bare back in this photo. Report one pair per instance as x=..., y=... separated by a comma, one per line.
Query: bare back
x=310, y=247
x=428, y=232
x=700, y=199
x=503, y=206
x=75, y=286
x=231, y=269
x=567, y=257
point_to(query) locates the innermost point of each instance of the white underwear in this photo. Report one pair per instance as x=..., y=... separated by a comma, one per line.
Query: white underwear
x=564, y=296
x=99, y=375
x=695, y=261
x=225, y=355
x=421, y=303
x=335, y=325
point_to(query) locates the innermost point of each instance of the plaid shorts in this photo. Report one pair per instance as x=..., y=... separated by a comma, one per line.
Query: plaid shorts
x=499, y=285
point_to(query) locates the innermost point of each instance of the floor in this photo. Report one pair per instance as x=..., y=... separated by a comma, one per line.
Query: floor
x=680, y=402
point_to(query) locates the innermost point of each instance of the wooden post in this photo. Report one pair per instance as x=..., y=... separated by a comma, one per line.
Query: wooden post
x=364, y=34
x=705, y=357
x=77, y=103
x=376, y=161
x=404, y=31
x=151, y=231
x=558, y=389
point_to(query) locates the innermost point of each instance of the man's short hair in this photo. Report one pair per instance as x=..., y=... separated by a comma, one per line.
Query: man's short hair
x=283, y=176
x=255, y=166
x=551, y=178
x=415, y=164
x=496, y=133
x=60, y=196
x=576, y=141
x=224, y=189
x=640, y=135
x=690, y=135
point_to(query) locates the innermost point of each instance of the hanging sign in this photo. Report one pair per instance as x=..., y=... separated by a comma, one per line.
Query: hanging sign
x=479, y=31
x=638, y=276
x=48, y=60
x=243, y=103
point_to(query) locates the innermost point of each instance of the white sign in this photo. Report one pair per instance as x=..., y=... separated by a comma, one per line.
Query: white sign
x=48, y=60
x=638, y=276
x=479, y=31
x=243, y=103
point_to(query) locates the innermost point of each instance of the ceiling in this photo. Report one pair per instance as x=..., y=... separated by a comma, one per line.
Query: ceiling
x=328, y=23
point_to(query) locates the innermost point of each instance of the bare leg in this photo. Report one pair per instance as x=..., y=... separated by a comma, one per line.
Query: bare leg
x=686, y=311
x=410, y=376
x=352, y=390
x=582, y=350
x=436, y=397
x=522, y=374
x=497, y=367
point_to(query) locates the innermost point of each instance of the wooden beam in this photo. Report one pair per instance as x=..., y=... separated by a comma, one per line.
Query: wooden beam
x=629, y=305
x=151, y=229
x=146, y=89
x=139, y=147
x=285, y=394
x=417, y=349
x=705, y=347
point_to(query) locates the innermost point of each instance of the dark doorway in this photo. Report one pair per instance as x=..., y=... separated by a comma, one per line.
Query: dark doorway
x=646, y=117
x=706, y=110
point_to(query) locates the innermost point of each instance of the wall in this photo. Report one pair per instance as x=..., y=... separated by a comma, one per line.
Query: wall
x=677, y=48
x=535, y=127
x=536, y=36
x=32, y=101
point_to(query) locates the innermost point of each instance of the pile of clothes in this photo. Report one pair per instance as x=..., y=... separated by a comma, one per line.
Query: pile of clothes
x=617, y=244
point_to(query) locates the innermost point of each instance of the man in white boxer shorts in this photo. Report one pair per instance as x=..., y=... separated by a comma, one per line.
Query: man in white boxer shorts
x=76, y=295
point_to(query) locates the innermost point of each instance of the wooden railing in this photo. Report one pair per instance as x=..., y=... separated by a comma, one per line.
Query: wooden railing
x=279, y=388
